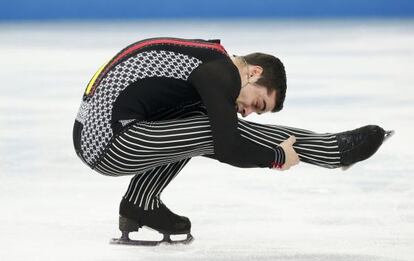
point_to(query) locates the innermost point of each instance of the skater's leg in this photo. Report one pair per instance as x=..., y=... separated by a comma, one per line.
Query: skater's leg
x=142, y=206
x=176, y=134
x=147, y=145
x=145, y=189
x=330, y=150
x=315, y=148
x=125, y=156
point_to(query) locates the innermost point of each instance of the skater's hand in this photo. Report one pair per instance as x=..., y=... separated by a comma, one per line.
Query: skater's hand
x=291, y=157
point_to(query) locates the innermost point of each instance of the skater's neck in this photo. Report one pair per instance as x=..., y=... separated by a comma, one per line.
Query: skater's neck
x=243, y=69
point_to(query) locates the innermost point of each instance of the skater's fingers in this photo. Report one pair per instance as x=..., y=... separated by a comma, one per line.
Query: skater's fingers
x=288, y=142
x=291, y=140
x=296, y=159
x=292, y=162
x=285, y=167
x=291, y=157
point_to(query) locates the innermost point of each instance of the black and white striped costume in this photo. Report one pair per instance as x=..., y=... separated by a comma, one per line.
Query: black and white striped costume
x=160, y=102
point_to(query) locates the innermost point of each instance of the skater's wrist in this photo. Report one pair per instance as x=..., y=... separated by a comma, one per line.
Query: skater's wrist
x=280, y=158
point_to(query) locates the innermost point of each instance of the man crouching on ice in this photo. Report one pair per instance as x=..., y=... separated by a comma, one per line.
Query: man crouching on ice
x=159, y=102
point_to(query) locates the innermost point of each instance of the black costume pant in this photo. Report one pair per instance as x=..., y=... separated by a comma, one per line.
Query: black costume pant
x=155, y=151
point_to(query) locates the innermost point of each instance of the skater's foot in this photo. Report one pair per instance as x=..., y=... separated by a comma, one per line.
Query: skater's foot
x=359, y=144
x=161, y=219
x=132, y=217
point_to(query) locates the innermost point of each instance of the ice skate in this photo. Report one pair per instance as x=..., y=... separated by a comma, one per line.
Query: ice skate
x=360, y=144
x=163, y=220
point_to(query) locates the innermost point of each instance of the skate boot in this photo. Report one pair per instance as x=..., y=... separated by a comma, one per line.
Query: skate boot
x=163, y=220
x=360, y=144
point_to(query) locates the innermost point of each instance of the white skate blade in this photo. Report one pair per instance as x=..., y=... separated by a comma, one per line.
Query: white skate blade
x=125, y=240
x=387, y=135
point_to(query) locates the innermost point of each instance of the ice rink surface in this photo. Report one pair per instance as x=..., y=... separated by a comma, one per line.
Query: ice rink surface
x=341, y=75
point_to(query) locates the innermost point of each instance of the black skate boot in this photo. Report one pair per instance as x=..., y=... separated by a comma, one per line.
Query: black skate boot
x=163, y=220
x=360, y=144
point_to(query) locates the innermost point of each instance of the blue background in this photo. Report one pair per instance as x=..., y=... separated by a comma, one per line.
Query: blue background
x=156, y=9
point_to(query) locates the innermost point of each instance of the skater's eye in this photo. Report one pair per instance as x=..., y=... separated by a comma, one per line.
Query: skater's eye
x=262, y=109
x=264, y=106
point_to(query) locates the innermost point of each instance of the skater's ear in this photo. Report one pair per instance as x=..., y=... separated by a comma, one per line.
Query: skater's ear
x=255, y=72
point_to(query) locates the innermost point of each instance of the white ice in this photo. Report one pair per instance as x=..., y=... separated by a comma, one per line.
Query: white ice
x=341, y=75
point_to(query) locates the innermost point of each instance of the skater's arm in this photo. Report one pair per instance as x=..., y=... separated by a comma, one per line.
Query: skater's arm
x=218, y=84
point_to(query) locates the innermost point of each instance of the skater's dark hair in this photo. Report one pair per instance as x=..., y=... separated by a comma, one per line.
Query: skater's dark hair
x=273, y=76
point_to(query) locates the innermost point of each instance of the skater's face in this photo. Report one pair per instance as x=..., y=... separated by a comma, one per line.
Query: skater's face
x=253, y=97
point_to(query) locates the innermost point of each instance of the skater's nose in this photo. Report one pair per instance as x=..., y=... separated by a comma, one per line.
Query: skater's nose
x=246, y=111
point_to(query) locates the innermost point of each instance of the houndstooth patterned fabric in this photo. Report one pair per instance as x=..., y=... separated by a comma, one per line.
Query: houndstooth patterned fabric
x=83, y=111
x=95, y=112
